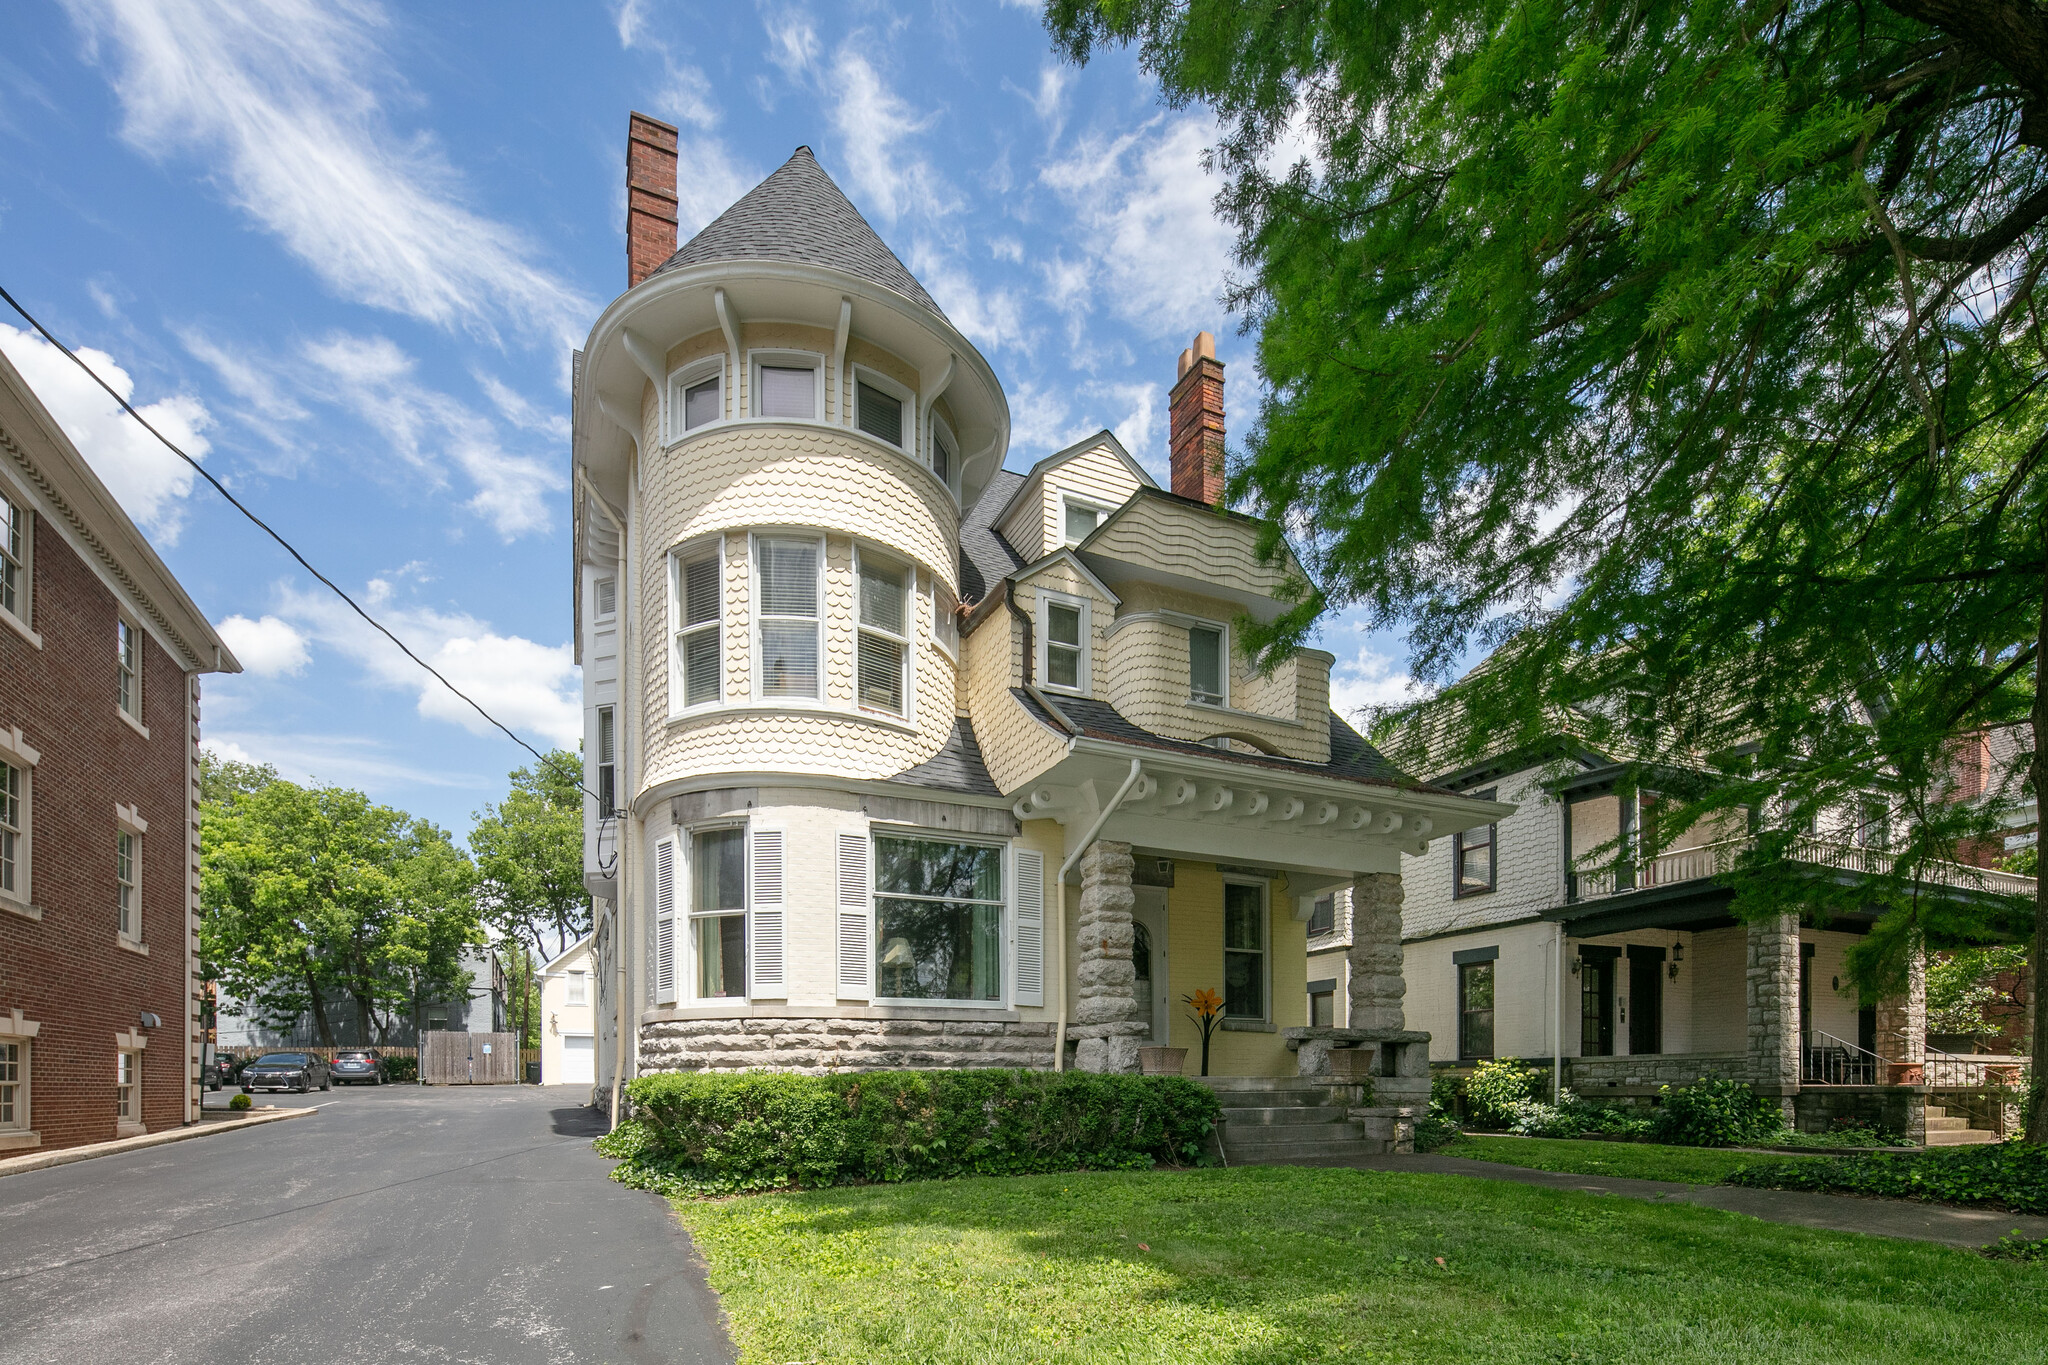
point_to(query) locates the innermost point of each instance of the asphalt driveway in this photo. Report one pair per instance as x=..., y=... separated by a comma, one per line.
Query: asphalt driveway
x=397, y=1224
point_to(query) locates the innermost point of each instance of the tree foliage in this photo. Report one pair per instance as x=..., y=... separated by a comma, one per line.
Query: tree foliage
x=529, y=856
x=1687, y=355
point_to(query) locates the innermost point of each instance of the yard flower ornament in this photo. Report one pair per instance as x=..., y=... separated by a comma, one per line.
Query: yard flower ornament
x=1208, y=1017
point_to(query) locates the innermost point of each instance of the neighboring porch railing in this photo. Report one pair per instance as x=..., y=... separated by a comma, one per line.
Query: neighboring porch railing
x=1832, y=1061
x=1711, y=860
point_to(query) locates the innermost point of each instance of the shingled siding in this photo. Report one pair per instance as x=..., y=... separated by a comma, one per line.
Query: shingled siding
x=1036, y=527
x=1529, y=868
x=1146, y=677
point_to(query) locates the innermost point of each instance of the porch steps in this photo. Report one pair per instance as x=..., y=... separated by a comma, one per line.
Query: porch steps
x=1281, y=1120
x=1952, y=1130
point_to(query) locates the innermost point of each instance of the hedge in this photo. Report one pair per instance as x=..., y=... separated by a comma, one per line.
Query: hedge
x=694, y=1133
x=2012, y=1175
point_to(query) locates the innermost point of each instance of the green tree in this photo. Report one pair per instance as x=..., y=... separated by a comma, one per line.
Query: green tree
x=529, y=859
x=1690, y=348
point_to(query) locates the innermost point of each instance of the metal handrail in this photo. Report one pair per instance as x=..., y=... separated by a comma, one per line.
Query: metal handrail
x=1711, y=860
x=1832, y=1061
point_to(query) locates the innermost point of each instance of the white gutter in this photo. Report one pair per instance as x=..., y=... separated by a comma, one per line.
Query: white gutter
x=1059, y=1046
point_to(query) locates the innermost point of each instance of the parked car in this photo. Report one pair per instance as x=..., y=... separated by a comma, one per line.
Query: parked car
x=357, y=1064
x=214, y=1071
x=298, y=1071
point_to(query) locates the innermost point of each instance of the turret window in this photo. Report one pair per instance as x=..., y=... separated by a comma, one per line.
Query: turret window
x=884, y=649
x=699, y=664
x=697, y=396
x=1205, y=664
x=880, y=407
x=786, y=385
x=786, y=577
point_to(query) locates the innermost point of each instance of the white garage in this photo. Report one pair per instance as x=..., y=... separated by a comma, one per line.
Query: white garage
x=579, y=1061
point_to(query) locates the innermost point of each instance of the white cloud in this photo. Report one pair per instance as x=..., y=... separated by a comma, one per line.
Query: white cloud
x=792, y=39
x=373, y=377
x=990, y=317
x=1153, y=249
x=711, y=182
x=1372, y=679
x=521, y=411
x=531, y=687
x=876, y=129
x=685, y=95
x=284, y=101
x=1049, y=101
x=269, y=647
x=344, y=759
x=149, y=481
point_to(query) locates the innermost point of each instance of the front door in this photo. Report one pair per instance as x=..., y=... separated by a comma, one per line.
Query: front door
x=1645, y=999
x=1596, y=1005
x=1148, y=960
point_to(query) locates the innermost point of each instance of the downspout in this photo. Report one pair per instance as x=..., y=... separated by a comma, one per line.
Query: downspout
x=1059, y=1046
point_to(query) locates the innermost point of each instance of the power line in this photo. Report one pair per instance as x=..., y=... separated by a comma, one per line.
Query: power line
x=265, y=527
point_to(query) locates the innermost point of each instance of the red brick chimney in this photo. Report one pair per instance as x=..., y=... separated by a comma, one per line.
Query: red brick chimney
x=1195, y=439
x=650, y=196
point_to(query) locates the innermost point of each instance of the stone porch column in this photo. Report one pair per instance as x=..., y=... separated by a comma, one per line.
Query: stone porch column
x=1106, y=1022
x=1377, y=986
x=1772, y=990
x=1902, y=1020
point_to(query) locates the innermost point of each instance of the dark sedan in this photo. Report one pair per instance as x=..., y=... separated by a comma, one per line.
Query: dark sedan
x=358, y=1064
x=299, y=1071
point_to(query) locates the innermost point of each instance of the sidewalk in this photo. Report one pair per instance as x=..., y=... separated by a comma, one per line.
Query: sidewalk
x=205, y=1127
x=1960, y=1227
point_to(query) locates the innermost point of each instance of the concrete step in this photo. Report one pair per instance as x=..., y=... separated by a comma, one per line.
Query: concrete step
x=1959, y=1137
x=1228, y=1084
x=1282, y=1153
x=1323, y=1130
x=1945, y=1123
x=1284, y=1113
x=1937, y=1111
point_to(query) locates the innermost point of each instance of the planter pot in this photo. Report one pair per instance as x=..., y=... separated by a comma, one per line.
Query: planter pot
x=2004, y=1076
x=1352, y=1063
x=1908, y=1073
x=1162, y=1061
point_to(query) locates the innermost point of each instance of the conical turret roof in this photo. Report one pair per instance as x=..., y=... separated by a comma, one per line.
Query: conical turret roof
x=800, y=214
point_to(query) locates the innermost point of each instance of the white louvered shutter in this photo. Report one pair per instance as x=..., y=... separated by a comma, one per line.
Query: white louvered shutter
x=856, y=940
x=765, y=915
x=1030, y=921
x=665, y=922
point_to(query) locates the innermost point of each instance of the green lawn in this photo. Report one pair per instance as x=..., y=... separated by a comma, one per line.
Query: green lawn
x=1635, y=1160
x=1276, y=1265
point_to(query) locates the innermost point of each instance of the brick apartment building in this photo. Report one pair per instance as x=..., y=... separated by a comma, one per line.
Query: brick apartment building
x=100, y=657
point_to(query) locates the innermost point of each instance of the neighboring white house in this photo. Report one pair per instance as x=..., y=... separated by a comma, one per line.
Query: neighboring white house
x=905, y=759
x=568, y=1012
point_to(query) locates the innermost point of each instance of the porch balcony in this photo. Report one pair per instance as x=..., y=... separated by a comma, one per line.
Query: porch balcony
x=1707, y=861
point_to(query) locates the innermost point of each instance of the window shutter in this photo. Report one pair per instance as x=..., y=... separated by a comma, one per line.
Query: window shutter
x=856, y=940
x=665, y=922
x=1030, y=893
x=765, y=914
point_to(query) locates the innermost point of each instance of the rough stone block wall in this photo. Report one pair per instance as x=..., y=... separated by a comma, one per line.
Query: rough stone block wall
x=1588, y=1075
x=1772, y=982
x=819, y=1046
x=1106, y=1023
x=1377, y=985
x=1893, y=1108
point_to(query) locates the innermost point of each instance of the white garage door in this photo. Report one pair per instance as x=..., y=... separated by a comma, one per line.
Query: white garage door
x=579, y=1060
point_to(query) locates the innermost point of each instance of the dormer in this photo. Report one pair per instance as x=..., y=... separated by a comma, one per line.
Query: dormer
x=1068, y=495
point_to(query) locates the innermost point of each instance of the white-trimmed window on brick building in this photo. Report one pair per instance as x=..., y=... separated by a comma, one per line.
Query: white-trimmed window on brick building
x=14, y=1084
x=1475, y=866
x=697, y=590
x=882, y=654
x=14, y=793
x=938, y=920
x=718, y=911
x=14, y=551
x=127, y=1085
x=128, y=883
x=1244, y=950
x=786, y=589
x=128, y=668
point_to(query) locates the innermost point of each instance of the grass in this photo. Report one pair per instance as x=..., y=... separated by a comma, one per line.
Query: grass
x=1634, y=1160
x=1276, y=1265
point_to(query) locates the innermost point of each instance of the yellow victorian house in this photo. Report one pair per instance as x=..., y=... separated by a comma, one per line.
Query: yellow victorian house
x=905, y=758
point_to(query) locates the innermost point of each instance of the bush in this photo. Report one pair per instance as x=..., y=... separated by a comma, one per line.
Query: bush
x=241, y=1102
x=2011, y=1175
x=2017, y=1246
x=399, y=1069
x=1494, y=1088
x=1439, y=1124
x=1715, y=1112
x=720, y=1134
x=1573, y=1117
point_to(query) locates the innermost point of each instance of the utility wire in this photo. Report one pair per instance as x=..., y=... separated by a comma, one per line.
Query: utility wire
x=265, y=527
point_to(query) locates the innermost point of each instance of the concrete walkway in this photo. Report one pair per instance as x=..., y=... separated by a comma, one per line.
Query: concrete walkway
x=1961, y=1227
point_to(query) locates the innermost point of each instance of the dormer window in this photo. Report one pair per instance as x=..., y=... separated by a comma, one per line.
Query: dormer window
x=786, y=385
x=697, y=396
x=881, y=408
x=1063, y=653
x=1078, y=519
x=1205, y=664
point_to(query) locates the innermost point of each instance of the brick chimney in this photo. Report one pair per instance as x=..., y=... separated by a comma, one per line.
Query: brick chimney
x=650, y=196
x=1195, y=439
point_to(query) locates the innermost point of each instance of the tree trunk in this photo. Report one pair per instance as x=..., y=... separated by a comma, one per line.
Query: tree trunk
x=362, y=1017
x=319, y=1011
x=2037, y=778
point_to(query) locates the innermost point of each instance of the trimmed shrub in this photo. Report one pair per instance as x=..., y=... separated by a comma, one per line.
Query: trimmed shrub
x=241, y=1102
x=719, y=1134
x=1573, y=1117
x=1494, y=1088
x=1715, y=1112
x=1439, y=1125
x=399, y=1069
x=2012, y=1175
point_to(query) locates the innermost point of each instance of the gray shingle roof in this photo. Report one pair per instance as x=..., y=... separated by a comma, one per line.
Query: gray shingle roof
x=956, y=767
x=986, y=559
x=800, y=214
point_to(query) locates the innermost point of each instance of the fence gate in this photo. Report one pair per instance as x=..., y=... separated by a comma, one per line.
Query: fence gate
x=469, y=1058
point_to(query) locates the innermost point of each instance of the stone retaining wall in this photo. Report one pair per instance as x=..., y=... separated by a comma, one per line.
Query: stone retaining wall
x=1588, y=1076
x=822, y=1045
x=1897, y=1109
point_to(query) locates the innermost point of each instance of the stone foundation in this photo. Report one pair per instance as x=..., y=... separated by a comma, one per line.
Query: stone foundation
x=820, y=1046
x=1898, y=1109
x=1588, y=1076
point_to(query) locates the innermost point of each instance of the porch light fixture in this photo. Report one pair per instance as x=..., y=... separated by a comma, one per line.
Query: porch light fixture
x=1575, y=966
x=1671, y=970
x=1678, y=950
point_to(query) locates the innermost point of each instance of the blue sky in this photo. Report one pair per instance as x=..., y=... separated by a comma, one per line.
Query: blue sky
x=343, y=251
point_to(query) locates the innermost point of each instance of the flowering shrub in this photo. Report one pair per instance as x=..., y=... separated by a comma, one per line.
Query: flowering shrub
x=1494, y=1088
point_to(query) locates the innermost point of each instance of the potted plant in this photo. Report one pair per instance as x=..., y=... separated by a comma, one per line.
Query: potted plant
x=1207, y=1016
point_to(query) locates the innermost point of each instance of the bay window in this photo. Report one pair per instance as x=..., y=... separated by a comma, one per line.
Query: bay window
x=883, y=651
x=718, y=911
x=696, y=582
x=786, y=589
x=938, y=920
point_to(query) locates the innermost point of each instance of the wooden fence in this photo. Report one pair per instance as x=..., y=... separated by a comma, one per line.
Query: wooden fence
x=325, y=1054
x=469, y=1059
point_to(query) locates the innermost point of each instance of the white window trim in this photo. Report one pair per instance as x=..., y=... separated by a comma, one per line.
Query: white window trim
x=908, y=639
x=574, y=984
x=1265, y=889
x=939, y=594
x=688, y=376
x=1084, y=674
x=134, y=718
x=18, y=753
x=934, y=426
x=1075, y=500
x=777, y=358
x=598, y=762
x=127, y=820
x=597, y=613
x=691, y=915
x=1006, y=955
x=875, y=379
x=758, y=671
x=128, y=1046
x=712, y=548
x=25, y=603
x=21, y=1132
x=1222, y=662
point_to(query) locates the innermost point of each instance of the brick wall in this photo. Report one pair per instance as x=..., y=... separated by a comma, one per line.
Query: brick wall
x=67, y=971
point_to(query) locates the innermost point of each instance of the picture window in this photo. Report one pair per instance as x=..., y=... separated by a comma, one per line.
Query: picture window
x=938, y=920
